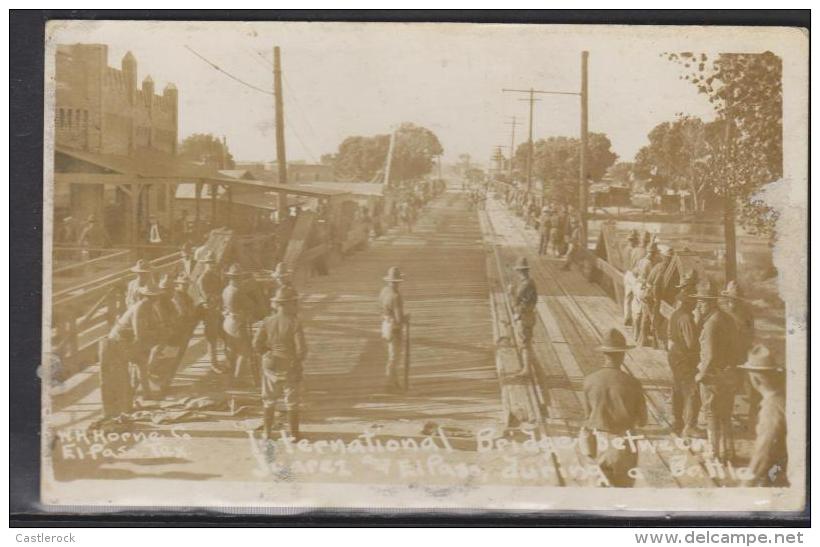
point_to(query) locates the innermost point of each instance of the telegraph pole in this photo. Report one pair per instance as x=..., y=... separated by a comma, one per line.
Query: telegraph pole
x=512, y=123
x=582, y=189
x=281, y=161
x=532, y=100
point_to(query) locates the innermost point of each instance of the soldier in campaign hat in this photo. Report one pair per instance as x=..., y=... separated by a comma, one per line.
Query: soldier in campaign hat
x=615, y=405
x=237, y=310
x=208, y=301
x=144, y=277
x=770, y=456
x=524, y=295
x=734, y=304
x=281, y=342
x=717, y=369
x=393, y=323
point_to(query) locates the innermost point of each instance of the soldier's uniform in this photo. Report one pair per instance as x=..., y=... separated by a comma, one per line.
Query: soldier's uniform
x=683, y=354
x=209, y=306
x=281, y=342
x=737, y=308
x=769, y=461
x=615, y=404
x=544, y=228
x=392, y=305
x=524, y=298
x=717, y=373
x=143, y=271
x=656, y=287
x=238, y=311
x=629, y=276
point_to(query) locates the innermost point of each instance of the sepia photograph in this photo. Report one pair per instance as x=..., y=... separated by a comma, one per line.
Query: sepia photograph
x=292, y=266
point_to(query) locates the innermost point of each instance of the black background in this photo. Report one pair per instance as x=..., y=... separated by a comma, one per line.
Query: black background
x=26, y=41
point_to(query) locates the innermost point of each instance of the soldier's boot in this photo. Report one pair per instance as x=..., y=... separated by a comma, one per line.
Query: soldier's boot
x=293, y=423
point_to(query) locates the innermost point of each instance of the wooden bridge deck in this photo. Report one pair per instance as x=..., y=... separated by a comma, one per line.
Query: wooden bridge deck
x=461, y=380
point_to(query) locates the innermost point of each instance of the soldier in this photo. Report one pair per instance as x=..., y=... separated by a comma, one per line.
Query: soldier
x=732, y=302
x=544, y=227
x=573, y=243
x=645, y=264
x=683, y=354
x=615, y=405
x=393, y=321
x=117, y=351
x=238, y=311
x=770, y=457
x=182, y=301
x=716, y=370
x=187, y=260
x=656, y=285
x=209, y=306
x=524, y=296
x=148, y=330
x=144, y=277
x=281, y=342
x=629, y=276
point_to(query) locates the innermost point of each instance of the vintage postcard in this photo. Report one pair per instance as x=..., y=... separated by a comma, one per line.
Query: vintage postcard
x=421, y=266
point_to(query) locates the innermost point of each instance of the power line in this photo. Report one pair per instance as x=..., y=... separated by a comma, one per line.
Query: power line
x=291, y=93
x=228, y=74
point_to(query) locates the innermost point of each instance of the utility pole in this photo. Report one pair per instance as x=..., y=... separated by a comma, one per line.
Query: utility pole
x=582, y=188
x=512, y=123
x=389, y=159
x=729, y=205
x=281, y=161
x=532, y=100
x=583, y=174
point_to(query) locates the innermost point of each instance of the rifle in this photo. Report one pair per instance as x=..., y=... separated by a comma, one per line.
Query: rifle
x=407, y=352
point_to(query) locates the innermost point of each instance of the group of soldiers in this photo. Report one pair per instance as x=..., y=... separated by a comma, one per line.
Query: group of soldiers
x=148, y=340
x=711, y=356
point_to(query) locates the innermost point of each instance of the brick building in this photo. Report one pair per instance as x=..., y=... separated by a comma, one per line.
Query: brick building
x=101, y=109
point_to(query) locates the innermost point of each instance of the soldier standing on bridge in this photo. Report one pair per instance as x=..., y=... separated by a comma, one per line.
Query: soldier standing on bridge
x=144, y=277
x=238, y=311
x=209, y=305
x=656, y=285
x=683, y=354
x=119, y=349
x=629, y=276
x=524, y=296
x=615, y=405
x=717, y=370
x=770, y=457
x=393, y=320
x=733, y=303
x=544, y=228
x=281, y=342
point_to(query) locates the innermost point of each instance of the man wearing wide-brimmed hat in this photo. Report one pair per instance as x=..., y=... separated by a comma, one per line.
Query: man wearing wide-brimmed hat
x=683, y=353
x=393, y=321
x=237, y=310
x=717, y=369
x=634, y=241
x=615, y=405
x=144, y=277
x=209, y=305
x=732, y=301
x=769, y=459
x=544, y=229
x=656, y=293
x=281, y=343
x=524, y=295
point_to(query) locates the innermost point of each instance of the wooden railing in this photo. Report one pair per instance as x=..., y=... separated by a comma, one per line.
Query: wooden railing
x=83, y=314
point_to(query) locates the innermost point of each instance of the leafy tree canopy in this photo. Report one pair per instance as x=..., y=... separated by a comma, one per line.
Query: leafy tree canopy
x=208, y=149
x=361, y=158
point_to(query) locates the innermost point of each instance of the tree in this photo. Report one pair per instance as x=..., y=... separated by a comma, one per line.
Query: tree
x=208, y=149
x=557, y=162
x=362, y=158
x=621, y=172
x=675, y=156
x=747, y=152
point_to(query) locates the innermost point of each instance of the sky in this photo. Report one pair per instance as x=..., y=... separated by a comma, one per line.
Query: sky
x=344, y=79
